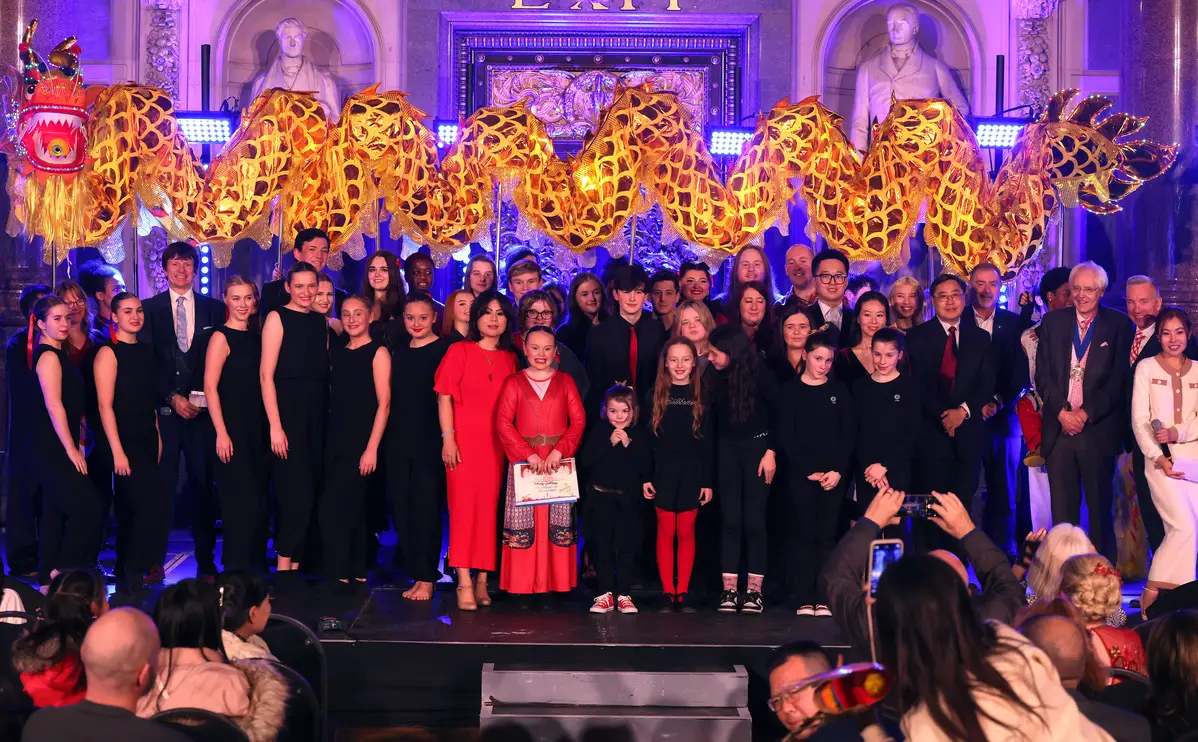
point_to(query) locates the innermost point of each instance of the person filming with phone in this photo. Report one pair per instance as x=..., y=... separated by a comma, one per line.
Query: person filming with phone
x=849, y=566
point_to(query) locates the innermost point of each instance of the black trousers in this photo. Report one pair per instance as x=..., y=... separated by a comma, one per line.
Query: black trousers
x=1153, y=526
x=343, y=518
x=195, y=442
x=24, y=505
x=99, y=470
x=616, y=531
x=955, y=474
x=141, y=517
x=298, y=478
x=241, y=484
x=744, y=499
x=1076, y=463
x=1000, y=464
x=71, y=517
x=815, y=512
x=416, y=486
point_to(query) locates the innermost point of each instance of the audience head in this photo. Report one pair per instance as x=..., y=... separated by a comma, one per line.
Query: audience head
x=858, y=285
x=678, y=365
x=382, y=283
x=30, y=295
x=1093, y=585
x=75, y=599
x=457, y=309
x=628, y=284
x=1172, y=650
x=536, y=308
x=984, y=282
x=418, y=271
x=663, y=292
x=749, y=306
x=831, y=270
x=872, y=313
x=52, y=317
x=751, y=264
x=948, y=297
x=302, y=283
x=312, y=247
x=1056, y=643
x=798, y=267
x=953, y=561
x=241, y=297
x=694, y=279
x=1087, y=284
x=419, y=315
x=1062, y=541
x=586, y=298
x=794, y=327
x=1173, y=329
x=480, y=274
x=694, y=323
x=907, y=300
x=1055, y=291
x=120, y=657
x=101, y=281
x=76, y=300
x=887, y=349
x=523, y=276
x=523, y=253
x=323, y=299
x=179, y=261
x=619, y=406
x=821, y=350
x=492, y=316
x=244, y=599
x=188, y=616
x=788, y=667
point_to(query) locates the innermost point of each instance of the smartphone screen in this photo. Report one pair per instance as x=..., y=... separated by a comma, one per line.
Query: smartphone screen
x=882, y=553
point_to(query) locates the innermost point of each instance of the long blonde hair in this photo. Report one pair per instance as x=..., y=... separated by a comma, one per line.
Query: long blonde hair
x=661, y=387
x=921, y=309
x=1063, y=541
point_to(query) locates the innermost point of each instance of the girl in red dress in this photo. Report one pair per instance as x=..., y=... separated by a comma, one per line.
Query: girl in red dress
x=467, y=384
x=540, y=420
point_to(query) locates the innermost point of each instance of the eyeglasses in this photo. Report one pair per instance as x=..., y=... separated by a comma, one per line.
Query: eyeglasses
x=785, y=696
x=948, y=297
x=1087, y=290
x=534, y=314
x=837, y=278
x=76, y=303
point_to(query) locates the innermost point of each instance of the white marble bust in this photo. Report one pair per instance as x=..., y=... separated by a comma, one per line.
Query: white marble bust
x=291, y=70
x=903, y=70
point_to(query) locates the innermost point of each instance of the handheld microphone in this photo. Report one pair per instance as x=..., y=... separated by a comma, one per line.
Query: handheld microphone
x=1156, y=426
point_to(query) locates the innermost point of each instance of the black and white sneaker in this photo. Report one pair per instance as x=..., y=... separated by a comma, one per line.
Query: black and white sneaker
x=728, y=603
x=752, y=602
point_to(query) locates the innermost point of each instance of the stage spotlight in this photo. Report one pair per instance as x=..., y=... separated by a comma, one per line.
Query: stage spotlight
x=447, y=133
x=997, y=132
x=204, y=252
x=208, y=127
x=728, y=142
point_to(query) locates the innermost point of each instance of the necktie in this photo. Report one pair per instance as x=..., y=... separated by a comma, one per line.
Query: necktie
x=1136, y=345
x=181, y=325
x=632, y=353
x=948, y=364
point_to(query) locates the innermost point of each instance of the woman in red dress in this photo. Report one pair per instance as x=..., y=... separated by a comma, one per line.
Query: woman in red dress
x=1095, y=588
x=540, y=420
x=467, y=384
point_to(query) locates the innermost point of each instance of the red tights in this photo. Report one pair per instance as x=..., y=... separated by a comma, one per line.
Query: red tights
x=668, y=525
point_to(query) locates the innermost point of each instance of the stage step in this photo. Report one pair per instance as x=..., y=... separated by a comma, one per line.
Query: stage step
x=554, y=703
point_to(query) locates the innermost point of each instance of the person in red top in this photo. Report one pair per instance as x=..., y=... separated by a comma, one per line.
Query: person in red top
x=467, y=383
x=540, y=421
x=48, y=656
x=1095, y=588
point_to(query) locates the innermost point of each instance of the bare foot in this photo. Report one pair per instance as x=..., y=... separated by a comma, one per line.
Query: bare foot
x=420, y=591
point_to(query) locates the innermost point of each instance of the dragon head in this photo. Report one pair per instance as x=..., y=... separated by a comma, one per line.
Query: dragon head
x=52, y=115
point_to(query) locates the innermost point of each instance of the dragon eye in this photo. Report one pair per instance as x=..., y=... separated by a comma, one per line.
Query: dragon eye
x=58, y=148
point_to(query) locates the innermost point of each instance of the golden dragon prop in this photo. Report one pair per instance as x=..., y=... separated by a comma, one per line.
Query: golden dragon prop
x=86, y=158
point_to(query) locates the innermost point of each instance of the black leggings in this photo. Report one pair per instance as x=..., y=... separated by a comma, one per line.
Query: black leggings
x=743, y=498
x=416, y=487
x=343, y=518
x=815, y=512
x=300, y=476
x=71, y=518
x=242, y=487
x=616, y=530
x=141, y=513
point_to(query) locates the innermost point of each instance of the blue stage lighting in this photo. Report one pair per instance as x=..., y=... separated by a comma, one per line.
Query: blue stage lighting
x=728, y=142
x=998, y=133
x=208, y=127
x=447, y=133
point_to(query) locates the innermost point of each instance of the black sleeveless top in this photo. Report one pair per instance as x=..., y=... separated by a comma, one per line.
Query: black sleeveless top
x=304, y=354
x=72, y=401
x=352, y=401
x=239, y=387
x=134, y=400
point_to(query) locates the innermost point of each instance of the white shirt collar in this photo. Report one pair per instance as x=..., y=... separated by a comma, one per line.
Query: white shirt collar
x=1146, y=332
x=947, y=325
x=189, y=295
x=825, y=308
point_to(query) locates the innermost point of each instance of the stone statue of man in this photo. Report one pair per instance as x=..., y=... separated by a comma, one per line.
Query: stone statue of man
x=291, y=70
x=903, y=70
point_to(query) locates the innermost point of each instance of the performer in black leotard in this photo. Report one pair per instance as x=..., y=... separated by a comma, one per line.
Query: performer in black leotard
x=124, y=373
x=234, y=397
x=360, y=400
x=70, y=502
x=294, y=375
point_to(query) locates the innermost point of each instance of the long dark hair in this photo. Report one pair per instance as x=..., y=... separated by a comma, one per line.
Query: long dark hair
x=874, y=296
x=479, y=308
x=240, y=590
x=938, y=649
x=739, y=380
x=767, y=278
x=68, y=614
x=1172, y=650
x=188, y=617
x=765, y=331
x=393, y=299
x=574, y=313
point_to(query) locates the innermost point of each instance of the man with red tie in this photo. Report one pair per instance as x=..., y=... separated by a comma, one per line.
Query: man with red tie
x=623, y=348
x=953, y=366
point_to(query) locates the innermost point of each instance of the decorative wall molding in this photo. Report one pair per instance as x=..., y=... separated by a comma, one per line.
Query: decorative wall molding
x=1031, y=24
x=162, y=46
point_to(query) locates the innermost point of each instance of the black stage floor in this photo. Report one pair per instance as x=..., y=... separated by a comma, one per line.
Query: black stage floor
x=403, y=663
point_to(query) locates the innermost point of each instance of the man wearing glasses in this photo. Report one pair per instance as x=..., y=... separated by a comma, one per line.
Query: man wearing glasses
x=1082, y=374
x=952, y=364
x=830, y=311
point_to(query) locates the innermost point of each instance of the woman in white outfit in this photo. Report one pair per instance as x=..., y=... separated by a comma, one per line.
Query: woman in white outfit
x=1166, y=390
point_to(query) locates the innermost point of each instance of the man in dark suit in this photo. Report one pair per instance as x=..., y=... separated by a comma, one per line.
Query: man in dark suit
x=831, y=271
x=311, y=246
x=611, y=345
x=178, y=324
x=952, y=364
x=1143, y=304
x=1082, y=376
x=1001, y=434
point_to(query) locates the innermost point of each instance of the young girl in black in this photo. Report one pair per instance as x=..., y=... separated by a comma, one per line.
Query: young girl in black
x=817, y=429
x=359, y=403
x=124, y=373
x=745, y=396
x=887, y=411
x=682, y=447
x=617, y=453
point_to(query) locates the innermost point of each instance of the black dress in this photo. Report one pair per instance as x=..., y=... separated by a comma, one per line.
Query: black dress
x=242, y=482
x=141, y=502
x=301, y=386
x=888, y=432
x=352, y=406
x=71, y=508
x=847, y=367
x=415, y=473
x=682, y=460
